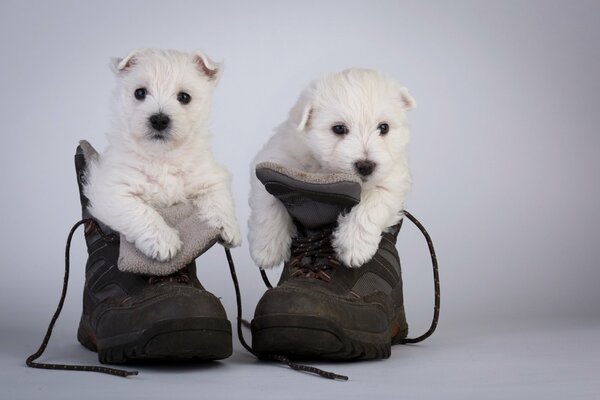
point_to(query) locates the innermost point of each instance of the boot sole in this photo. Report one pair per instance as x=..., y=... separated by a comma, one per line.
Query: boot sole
x=198, y=338
x=316, y=337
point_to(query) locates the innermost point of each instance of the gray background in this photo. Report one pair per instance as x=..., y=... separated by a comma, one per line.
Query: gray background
x=504, y=157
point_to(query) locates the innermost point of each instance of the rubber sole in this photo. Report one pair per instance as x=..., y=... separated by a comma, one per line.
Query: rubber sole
x=313, y=337
x=199, y=338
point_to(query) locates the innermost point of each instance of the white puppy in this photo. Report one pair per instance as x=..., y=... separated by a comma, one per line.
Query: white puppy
x=353, y=121
x=158, y=152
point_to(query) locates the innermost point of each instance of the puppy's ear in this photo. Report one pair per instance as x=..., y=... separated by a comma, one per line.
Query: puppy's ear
x=206, y=66
x=300, y=114
x=305, y=117
x=119, y=65
x=408, y=101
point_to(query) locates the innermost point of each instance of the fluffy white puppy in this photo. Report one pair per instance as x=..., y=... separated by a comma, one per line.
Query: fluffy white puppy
x=159, y=153
x=353, y=121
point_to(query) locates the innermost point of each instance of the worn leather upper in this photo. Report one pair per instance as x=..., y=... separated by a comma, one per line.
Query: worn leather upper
x=315, y=283
x=117, y=302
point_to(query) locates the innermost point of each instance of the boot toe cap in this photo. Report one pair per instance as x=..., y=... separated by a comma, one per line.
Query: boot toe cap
x=342, y=311
x=136, y=314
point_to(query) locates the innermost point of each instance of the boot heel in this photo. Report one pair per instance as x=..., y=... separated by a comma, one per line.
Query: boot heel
x=85, y=334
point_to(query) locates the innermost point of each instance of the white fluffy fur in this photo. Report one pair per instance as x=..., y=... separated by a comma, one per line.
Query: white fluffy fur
x=361, y=99
x=138, y=172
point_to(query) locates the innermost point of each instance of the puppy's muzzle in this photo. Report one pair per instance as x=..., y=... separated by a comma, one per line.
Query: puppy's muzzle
x=364, y=167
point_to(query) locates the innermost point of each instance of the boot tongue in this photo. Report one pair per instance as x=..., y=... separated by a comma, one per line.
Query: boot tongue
x=313, y=200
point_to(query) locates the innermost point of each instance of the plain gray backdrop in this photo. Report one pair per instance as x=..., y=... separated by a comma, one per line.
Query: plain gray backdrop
x=504, y=155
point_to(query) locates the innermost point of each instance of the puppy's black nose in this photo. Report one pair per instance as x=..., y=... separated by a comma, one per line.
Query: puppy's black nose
x=365, y=167
x=160, y=121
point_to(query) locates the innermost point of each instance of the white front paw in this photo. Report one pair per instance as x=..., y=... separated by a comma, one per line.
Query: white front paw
x=160, y=244
x=269, y=251
x=231, y=235
x=353, y=244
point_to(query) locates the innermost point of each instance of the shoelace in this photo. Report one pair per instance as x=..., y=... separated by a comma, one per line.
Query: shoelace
x=318, y=246
x=241, y=322
x=90, y=368
x=30, y=361
x=312, y=255
x=436, y=283
x=181, y=277
x=434, y=264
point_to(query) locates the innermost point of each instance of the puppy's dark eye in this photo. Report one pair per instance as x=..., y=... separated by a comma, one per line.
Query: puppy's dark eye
x=383, y=128
x=340, y=129
x=183, y=97
x=140, y=93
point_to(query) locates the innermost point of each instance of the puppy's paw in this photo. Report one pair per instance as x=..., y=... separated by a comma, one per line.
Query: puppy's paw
x=162, y=244
x=267, y=250
x=231, y=235
x=355, y=244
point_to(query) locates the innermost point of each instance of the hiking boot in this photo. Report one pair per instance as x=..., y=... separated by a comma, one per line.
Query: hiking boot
x=321, y=308
x=129, y=316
